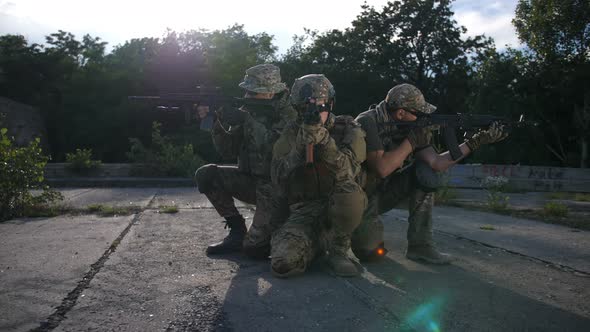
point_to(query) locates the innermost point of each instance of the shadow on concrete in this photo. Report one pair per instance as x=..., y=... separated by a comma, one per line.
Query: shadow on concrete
x=449, y=298
x=314, y=301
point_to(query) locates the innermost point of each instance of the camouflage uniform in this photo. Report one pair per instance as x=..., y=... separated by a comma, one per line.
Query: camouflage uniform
x=325, y=201
x=251, y=142
x=415, y=181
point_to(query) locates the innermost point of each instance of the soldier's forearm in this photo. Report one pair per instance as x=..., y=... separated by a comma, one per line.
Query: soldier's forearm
x=385, y=163
x=441, y=162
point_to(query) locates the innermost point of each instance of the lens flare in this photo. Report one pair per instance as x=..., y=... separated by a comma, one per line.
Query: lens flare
x=426, y=316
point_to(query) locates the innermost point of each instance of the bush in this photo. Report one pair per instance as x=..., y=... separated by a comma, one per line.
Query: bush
x=445, y=193
x=21, y=170
x=163, y=158
x=555, y=209
x=495, y=186
x=81, y=160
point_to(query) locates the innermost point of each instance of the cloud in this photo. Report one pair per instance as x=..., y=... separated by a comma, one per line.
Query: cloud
x=493, y=19
x=7, y=6
x=498, y=27
x=31, y=30
x=116, y=21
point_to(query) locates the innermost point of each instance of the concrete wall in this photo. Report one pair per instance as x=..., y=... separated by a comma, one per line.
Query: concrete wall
x=530, y=178
x=59, y=170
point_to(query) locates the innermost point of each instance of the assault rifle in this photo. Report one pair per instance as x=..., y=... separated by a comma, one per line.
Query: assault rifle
x=186, y=101
x=451, y=123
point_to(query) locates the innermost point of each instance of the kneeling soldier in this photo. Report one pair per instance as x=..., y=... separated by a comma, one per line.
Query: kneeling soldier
x=316, y=162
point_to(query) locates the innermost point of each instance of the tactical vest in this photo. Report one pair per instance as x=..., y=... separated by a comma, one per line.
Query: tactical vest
x=262, y=128
x=311, y=182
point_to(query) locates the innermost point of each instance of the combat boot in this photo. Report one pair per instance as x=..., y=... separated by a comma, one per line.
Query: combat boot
x=233, y=241
x=342, y=266
x=428, y=254
x=338, y=257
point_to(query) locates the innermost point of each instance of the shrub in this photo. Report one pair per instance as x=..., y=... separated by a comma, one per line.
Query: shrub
x=445, y=193
x=555, y=209
x=495, y=185
x=163, y=158
x=21, y=170
x=81, y=160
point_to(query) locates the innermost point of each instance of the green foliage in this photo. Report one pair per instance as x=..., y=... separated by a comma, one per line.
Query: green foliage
x=82, y=91
x=110, y=211
x=201, y=140
x=495, y=186
x=555, y=209
x=487, y=228
x=168, y=209
x=21, y=170
x=554, y=28
x=163, y=158
x=558, y=36
x=445, y=193
x=81, y=160
x=411, y=41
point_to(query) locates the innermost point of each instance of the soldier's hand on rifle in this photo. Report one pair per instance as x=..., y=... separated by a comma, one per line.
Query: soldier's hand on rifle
x=312, y=118
x=495, y=133
x=419, y=137
x=312, y=134
x=231, y=116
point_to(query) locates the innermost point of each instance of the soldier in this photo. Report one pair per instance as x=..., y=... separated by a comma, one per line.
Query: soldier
x=248, y=134
x=392, y=175
x=316, y=162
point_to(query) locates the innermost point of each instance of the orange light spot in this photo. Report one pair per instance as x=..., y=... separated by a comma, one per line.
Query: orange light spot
x=380, y=252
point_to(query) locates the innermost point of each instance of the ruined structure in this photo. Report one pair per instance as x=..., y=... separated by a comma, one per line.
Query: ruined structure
x=24, y=123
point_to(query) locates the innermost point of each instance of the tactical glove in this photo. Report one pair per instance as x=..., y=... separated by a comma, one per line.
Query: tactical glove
x=231, y=116
x=313, y=134
x=419, y=138
x=495, y=133
x=312, y=117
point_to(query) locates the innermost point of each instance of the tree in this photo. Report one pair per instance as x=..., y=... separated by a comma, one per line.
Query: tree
x=558, y=33
x=409, y=41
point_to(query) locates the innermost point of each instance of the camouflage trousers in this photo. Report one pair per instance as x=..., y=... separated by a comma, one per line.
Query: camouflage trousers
x=300, y=239
x=221, y=184
x=316, y=227
x=391, y=192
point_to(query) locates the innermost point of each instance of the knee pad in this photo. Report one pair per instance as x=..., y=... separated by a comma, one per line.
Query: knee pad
x=205, y=178
x=291, y=251
x=283, y=267
x=428, y=179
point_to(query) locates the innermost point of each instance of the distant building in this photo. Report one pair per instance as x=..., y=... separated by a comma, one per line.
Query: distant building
x=24, y=123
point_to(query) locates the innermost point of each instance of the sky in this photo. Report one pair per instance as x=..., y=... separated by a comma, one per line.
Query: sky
x=116, y=21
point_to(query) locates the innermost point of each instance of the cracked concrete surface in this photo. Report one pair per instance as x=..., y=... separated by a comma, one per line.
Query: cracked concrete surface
x=155, y=276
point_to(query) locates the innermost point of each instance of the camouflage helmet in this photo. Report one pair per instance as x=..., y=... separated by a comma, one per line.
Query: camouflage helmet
x=408, y=96
x=265, y=78
x=311, y=86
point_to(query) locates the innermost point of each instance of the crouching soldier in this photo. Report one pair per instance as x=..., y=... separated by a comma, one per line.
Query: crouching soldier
x=248, y=133
x=316, y=162
x=401, y=164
